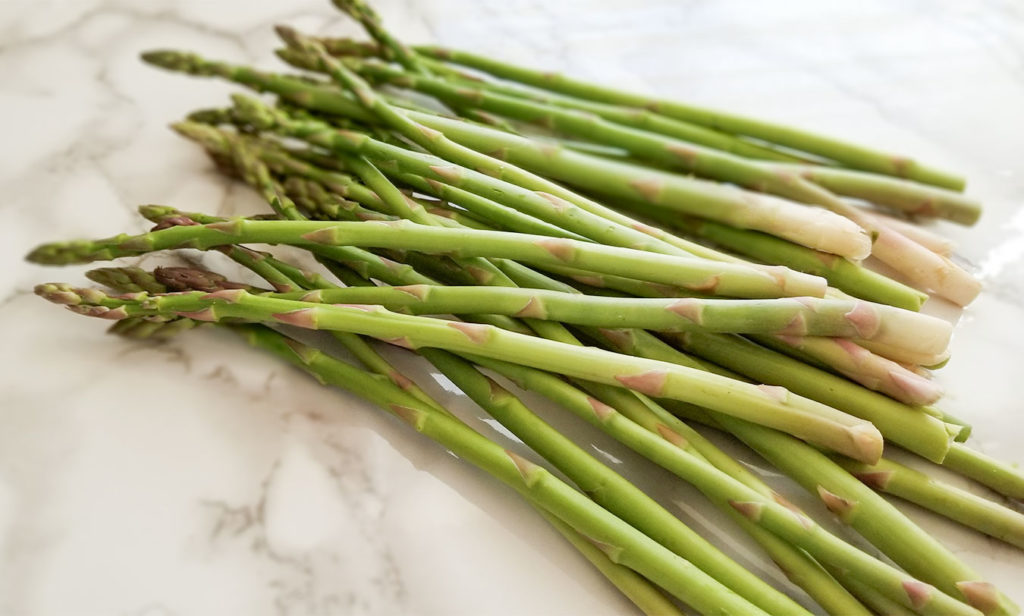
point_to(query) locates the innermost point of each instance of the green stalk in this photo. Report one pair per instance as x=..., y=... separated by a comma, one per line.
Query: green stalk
x=848, y=154
x=970, y=510
x=637, y=118
x=606, y=487
x=622, y=543
x=907, y=426
x=786, y=317
x=669, y=152
x=704, y=198
x=997, y=475
x=643, y=594
x=700, y=275
x=902, y=195
x=772, y=406
x=860, y=365
x=677, y=451
x=840, y=273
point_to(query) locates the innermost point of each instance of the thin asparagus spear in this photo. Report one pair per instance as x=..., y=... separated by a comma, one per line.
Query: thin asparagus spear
x=999, y=476
x=700, y=275
x=901, y=195
x=970, y=510
x=850, y=155
x=932, y=241
x=643, y=594
x=662, y=150
x=637, y=118
x=786, y=317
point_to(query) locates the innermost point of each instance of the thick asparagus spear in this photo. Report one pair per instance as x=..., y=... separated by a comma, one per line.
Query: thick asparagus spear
x=848, y=154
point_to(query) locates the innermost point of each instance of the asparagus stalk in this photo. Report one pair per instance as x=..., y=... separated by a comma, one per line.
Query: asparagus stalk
x=910, y=547
x=669, y=152
x=902, y=195
x=932, y=241
x=848, y=154
x=684, y=449
x=786, y=317
x=637, y=118
x=999, y=476
x=704, y=276
x=859, y=365
x=622, y=543
x=722, y=202
x=606, y=487
x=773, y=406
x=970, y=510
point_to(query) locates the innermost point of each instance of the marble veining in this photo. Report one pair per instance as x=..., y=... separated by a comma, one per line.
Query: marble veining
x=199, y=477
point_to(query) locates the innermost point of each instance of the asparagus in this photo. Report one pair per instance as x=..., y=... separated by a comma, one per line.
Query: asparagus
x=848, y=154
x=614, y=412
x=620, y=542
x=786, y=317
x=922, y=268
x=970, y=510
x=840, y=273
x=637, y=118
x=999, y=476
x=860, y=365
x=930, y=240
x=699, y=275
x=773, y=406
x=669, y=152
x=727, y=203
x=606, y=487
x=901, y=195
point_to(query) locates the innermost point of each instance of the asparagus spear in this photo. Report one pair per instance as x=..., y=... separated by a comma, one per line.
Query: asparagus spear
x=704, y=276
x=666, y=151
x=848, y=154
x=901, y=195
x=808, y=224
x=606, y=487
x=787, y=317
x=970, y=510
x=859, y=365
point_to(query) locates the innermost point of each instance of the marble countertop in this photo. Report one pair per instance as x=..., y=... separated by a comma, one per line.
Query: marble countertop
x=198, y=477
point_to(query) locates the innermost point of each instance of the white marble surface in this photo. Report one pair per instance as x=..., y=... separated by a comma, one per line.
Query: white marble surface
x=198, y=477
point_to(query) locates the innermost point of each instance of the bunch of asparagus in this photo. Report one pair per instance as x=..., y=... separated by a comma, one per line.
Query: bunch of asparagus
x=644, y=264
